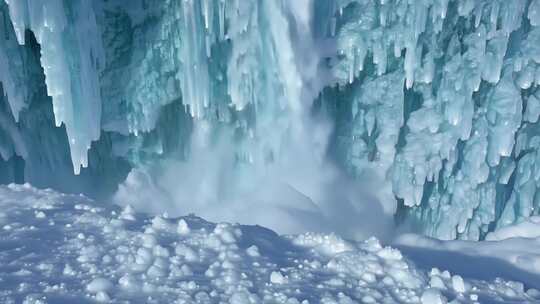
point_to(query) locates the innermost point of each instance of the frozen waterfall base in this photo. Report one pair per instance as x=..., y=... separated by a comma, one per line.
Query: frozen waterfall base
x=59, y=248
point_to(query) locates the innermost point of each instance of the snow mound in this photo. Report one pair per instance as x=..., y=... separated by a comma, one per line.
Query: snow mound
x=528, y=228
x=57, y=248
x=516, y=258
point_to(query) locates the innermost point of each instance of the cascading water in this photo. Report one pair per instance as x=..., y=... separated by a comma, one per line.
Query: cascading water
x=269, y=166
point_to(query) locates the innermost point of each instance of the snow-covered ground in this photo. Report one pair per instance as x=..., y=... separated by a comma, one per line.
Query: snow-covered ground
x=57, y=248
x=515, y=258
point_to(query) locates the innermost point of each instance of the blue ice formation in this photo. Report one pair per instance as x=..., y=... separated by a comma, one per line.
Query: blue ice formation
x=435, y=101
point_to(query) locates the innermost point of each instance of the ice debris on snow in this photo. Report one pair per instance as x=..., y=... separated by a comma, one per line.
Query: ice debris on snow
x=93, y=253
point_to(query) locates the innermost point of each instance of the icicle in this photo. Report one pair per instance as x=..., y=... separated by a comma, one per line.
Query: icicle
x=494, y=16
x=206, y=14
x=410, y=60
x=333, y=23
x=221, y=19
x=352, y=66
x=208, y=45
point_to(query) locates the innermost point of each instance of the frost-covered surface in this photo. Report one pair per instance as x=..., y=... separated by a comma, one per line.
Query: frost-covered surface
x=58, y=248
x=436, y=101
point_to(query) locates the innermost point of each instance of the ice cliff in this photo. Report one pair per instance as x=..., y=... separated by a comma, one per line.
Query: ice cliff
x=434, y=104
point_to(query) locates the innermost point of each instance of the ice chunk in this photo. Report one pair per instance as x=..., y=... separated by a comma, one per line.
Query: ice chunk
x=183, y=227
x=457, y=284
x=433, y=296
x=98, y=285
x=277, y=278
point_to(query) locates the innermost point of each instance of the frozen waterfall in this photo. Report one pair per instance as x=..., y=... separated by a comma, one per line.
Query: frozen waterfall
x=334, y=115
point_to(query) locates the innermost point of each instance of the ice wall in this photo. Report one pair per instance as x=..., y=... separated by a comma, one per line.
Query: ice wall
x=32, y=148
x=71, y=54
x=460, y=137
x=433, y=104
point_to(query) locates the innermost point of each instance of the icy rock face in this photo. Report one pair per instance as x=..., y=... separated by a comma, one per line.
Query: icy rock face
x=459, y=141
x=435, y=101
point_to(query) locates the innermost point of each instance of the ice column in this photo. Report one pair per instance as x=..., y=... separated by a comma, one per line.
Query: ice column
x=71, y=54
